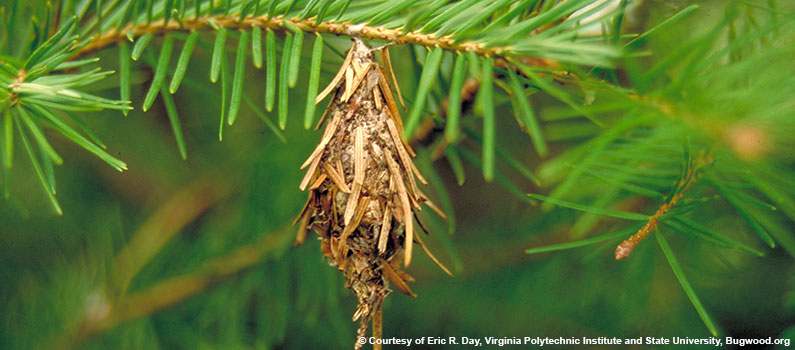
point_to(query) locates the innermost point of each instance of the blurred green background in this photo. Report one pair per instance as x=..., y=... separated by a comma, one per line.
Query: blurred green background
x=235, y=200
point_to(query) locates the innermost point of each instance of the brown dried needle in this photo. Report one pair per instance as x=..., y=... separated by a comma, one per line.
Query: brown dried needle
x=363, y=197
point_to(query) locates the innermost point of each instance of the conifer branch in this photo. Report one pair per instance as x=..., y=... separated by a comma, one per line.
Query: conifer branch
x=281, y=23
x=627, y=246
x=163, y=225
x=103, y=317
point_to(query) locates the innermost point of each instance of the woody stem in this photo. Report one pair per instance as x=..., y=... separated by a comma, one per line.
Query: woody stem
x=626, y=247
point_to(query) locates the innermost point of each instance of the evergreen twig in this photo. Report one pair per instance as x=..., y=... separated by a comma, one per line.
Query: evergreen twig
x=627, y=246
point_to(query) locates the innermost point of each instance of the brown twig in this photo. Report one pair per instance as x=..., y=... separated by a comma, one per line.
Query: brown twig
x=627, y=246
x=280, y=23
x=428, y=131
x=378, y=326
x=169, y=292
x=169, y=219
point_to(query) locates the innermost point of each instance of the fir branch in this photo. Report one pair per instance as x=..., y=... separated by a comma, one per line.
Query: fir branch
x=113, y=36
x=170, y=218
x=171, y=291
x=627, y=246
